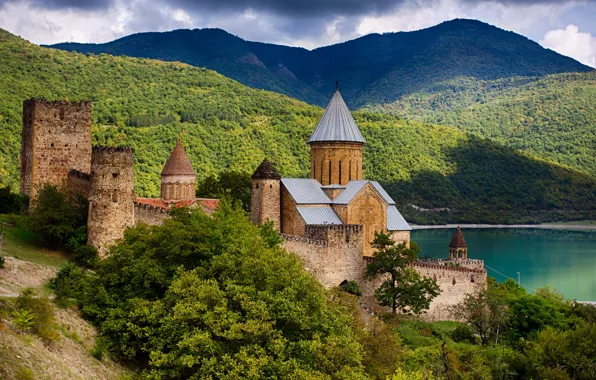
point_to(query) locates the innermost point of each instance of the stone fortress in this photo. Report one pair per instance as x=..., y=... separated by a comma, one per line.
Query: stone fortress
x=56, y=150
x=329, y=220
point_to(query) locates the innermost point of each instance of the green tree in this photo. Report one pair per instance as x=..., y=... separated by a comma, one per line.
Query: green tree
x=229, y=183
x=403, y=288
x=208, y=296
x=485, y=312
x=56, y=217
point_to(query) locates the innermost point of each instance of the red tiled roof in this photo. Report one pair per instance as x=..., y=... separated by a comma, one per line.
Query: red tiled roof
x=178, y=163
x=206, y=203
x=458, y=240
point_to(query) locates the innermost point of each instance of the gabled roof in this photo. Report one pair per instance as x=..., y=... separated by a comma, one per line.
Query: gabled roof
x=319, y=215
x=458, y=240
x=305, y=191
x=382, y=192
x=352, y=188
x=266, y=170
x=178, y=163
x=395, y=221
x=337, y=123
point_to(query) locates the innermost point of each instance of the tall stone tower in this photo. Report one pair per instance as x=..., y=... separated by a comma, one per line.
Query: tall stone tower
x=178, y=178
x=458, y=248
x=111, y=207
x=265, y=203
x=56, y=137
x=336, y=146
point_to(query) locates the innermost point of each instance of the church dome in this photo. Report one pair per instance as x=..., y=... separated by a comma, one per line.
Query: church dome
x=337, y=124
x=178, y=163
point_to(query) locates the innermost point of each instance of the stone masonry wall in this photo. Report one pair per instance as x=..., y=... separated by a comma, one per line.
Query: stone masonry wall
x=265, y=202
x=111, y=207
x=79, y=183
x=291, y=221
x=150, y=214
x=335, y=162
x=56, y=137
x=401, y=237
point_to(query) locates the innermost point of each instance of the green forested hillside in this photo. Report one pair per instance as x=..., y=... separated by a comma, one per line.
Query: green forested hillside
x=147, y=104
x=552, y=117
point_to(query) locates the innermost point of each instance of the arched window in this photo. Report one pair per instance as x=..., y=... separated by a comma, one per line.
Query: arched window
x=114, y=196
x=183, y=191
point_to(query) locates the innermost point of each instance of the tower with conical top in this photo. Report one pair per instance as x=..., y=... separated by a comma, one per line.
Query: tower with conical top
x=265, y=202
x=458, y=248
x=178, y=178
x=336, y=145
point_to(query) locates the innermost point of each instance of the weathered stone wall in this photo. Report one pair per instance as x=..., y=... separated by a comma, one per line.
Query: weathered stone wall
x=79, y=183
x=150, y=214
x=56, y=137
x=331, y=253
x=401, y=237
x=265, y=202
x=335, y=162
x=291, y=221
x=111, y=206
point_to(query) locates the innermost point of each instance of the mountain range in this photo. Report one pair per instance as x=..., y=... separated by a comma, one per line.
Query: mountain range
x=374, y=69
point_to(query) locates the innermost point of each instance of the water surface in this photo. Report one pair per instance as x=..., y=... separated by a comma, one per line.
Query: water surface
x=565, y=260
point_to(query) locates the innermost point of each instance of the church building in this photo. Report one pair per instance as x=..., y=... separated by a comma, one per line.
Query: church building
x=336, y=192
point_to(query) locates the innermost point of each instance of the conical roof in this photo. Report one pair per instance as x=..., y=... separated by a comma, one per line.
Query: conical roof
x=266, y=170
x=458, y=240
x=337, y=123
x=178, y=163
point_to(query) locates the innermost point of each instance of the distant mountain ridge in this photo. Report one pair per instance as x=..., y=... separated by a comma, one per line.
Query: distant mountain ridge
x=373, y=69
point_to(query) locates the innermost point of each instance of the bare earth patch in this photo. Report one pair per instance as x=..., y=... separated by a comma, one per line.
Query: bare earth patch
x=18, y=275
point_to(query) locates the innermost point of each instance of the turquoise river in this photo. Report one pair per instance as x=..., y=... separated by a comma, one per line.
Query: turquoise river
x=562, y=259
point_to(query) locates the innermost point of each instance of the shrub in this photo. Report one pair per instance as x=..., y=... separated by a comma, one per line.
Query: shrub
x=463, y=333
x=86, y=256
x=43, y=315
x=67, y=282
x=351, y=287
x=23, y=319
x=99, y=349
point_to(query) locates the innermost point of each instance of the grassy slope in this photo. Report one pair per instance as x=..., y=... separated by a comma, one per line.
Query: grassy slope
x=552, y=117
x=235, y=127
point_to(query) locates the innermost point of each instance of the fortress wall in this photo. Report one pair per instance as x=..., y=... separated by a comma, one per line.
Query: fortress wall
x=79, y=183
x=151, y=215
x=56, y=137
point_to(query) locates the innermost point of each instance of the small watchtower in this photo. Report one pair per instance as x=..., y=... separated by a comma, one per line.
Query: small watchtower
x=458, y=249
x=265, y=203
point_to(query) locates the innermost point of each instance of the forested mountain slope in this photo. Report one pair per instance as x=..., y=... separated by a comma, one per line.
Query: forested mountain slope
x=147, y=104
x=374, y=69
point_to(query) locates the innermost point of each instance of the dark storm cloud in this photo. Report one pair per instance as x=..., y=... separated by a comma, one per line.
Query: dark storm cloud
x=63, y=4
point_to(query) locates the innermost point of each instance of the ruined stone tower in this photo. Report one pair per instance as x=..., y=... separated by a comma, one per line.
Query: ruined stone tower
x=265, y=203
x=336, y=146
x=56, y=138
x=111, y=207
x=178, y=178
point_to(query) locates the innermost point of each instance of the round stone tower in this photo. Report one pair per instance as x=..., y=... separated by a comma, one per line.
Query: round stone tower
x=336, y=146
x=178, y=178
x=265, y=202
x=458, y=248
x=111, y=205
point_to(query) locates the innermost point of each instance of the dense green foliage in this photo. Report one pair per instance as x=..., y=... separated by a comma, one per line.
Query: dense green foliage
x=56, y=218
x=404, y=288
x=10, y=202
x=374, y=69
x=235, y=185
x=551, y=117
x=229, y=127
x=207, y=297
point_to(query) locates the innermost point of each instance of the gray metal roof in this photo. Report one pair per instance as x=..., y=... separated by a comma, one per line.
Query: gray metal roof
x=395, y=221
x=352, y=188
x=382, y=192
x=337, y=123
x=305, y=191
x=319, y=215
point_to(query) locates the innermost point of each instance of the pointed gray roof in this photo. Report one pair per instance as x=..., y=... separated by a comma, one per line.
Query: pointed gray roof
x=337, y=123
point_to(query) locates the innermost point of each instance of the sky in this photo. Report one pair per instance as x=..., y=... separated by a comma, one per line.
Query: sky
x=568, y=27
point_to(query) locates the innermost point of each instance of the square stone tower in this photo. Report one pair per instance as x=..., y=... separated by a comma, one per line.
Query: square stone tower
x=56, y=137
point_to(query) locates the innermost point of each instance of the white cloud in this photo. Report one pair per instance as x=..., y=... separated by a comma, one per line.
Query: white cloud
x=572, y=43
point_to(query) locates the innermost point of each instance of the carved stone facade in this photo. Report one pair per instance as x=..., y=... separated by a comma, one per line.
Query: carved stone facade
x=56, y=138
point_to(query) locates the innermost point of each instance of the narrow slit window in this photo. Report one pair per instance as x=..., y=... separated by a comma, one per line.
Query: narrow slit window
x=340, y=172
x=329, y=172
x=349, y=171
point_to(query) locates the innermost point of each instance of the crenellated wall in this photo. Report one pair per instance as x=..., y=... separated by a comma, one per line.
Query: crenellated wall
x=151, y=215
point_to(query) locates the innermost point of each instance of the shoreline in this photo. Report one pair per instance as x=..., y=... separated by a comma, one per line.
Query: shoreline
x=546, y=226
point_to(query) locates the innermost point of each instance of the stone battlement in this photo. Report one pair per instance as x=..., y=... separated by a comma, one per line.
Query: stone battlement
x=112, y=149
x=327, y=231
x=305, y=240
x=54, y=103
x=79, y=174
x=431, y=265
x=147, y=207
